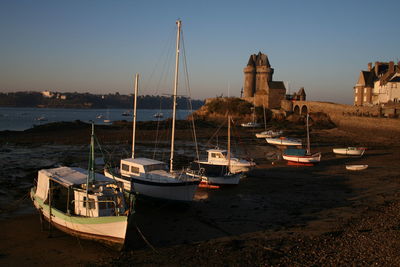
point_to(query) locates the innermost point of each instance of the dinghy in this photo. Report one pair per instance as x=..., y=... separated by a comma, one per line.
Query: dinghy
x=359, y=167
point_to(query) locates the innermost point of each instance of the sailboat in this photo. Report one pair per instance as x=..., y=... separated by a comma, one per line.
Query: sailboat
x=252, y=124
x=224, y=171
x=302, y=156
x=82, y=203
x=151, y=177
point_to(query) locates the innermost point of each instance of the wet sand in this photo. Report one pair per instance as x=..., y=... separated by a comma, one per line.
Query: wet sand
x=278, y=215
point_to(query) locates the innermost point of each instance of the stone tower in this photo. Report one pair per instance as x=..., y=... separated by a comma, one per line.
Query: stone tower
x=257, y=75
x=249, y=77
x=258, y=85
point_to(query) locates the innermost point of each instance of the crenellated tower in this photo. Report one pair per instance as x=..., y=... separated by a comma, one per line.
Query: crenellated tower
x=258, y=85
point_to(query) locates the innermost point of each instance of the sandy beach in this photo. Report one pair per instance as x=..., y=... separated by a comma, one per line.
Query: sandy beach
x=278, y=215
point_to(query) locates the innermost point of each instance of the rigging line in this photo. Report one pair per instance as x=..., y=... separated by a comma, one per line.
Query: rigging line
x=216, y=132
x=189, y=99
x=163, y=52
x=145, y=239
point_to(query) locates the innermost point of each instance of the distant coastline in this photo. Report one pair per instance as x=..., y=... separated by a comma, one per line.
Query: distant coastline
x=47, y=99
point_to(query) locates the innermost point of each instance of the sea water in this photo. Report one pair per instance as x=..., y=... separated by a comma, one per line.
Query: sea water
x=19, y=119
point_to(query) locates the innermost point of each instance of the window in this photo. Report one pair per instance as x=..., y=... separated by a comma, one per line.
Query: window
x=125, y=167
x=134, y=169
x=365, y=90
x=356, y=90
x=355, y=99
x=91, y=203
x=365, y=98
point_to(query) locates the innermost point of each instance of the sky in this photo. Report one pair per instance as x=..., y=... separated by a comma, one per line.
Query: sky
x=96, y=46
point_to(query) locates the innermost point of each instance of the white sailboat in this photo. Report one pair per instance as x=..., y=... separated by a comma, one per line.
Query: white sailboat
x=302, y=155
x=81, y=203
x=150, y=177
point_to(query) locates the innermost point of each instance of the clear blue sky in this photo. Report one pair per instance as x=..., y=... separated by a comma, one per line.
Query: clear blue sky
x=95, y=46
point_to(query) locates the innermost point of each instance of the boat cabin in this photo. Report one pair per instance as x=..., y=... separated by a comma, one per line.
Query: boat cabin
x=138, y=166
x=217, y=155
x=64, y=188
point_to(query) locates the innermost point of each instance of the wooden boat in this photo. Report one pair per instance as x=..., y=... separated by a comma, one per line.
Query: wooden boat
x=284, y=141
x=150, y=177
x=82, y=204
x=302, y=155
x=359, y=167
x=350, y=151
x=269, y=134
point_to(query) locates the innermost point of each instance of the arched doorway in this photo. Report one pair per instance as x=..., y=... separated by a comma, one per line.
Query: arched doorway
x=296, y=109
x=304, y=110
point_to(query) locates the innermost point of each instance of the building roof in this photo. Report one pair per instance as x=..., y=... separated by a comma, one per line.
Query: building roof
x=69, y=176
x=259, y=60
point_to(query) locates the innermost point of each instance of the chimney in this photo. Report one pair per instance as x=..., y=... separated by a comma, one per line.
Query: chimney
x=369, y=66
x=391, y=67
x=376, y=68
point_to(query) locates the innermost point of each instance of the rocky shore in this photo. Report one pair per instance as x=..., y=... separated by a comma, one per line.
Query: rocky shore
x=277, y=216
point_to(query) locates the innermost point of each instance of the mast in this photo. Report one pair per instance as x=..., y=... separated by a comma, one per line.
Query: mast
x=178, y=37
x=134, y=114
x=265, y=117
x=308, y=138
x=229, y=143
x=90, y=176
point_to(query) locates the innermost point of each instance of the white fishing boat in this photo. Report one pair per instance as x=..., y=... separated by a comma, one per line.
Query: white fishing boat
x=269, y=134
x=358, y=167
x=302, y=155
x=283, y=141
x=220, y=168
x=150, y=177
x=81, y=203
x=350, y=151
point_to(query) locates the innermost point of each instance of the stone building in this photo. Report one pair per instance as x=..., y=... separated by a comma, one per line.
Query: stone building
x=259, y=87
x=380, y=84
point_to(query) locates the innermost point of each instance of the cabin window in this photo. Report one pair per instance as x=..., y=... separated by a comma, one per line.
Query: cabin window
x=216, y=155
x=125, y=167
x=91, y=204
x=155, y=167
x=134, y=169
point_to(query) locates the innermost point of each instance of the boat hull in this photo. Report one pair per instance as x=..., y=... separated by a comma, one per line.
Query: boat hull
x=217, y=180
x=176, y=190
x=283, y=142
x=356, y=167
x=349, y=152
x=315, y=158
x=110, y=230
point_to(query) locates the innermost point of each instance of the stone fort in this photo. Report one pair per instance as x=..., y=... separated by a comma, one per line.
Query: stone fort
x=259, y=87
